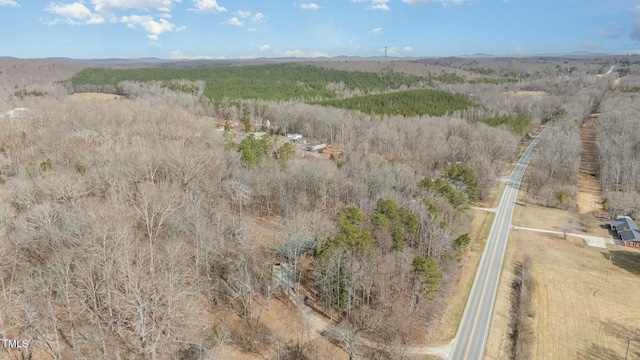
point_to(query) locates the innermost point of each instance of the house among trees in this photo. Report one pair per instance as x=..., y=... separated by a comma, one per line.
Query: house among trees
x=627, y=230
x=258, y=135
x=319, y=147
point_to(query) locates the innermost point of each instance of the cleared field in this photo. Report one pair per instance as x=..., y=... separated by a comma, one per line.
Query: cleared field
x=589, y=197
x=539, y=217
x=581, y=312
x=96, y=96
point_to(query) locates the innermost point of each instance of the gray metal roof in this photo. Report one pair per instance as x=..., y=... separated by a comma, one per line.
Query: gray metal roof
x=631, y=235
x=623, y=223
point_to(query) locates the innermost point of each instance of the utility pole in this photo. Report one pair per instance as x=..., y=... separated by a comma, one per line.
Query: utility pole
x=609, y=266
x=628, y=342
x=385, y=54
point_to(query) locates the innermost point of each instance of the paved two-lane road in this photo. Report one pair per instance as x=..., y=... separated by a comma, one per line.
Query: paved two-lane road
x=474, y=328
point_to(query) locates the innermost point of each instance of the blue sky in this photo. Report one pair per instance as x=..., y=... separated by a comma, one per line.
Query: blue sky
x=274, y=28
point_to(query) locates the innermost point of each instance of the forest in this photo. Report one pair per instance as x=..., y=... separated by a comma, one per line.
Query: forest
x=265, y=82
x=618, y=142
x=157, y=225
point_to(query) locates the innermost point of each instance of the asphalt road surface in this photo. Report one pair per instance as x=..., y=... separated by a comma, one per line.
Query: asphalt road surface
x=473, y=331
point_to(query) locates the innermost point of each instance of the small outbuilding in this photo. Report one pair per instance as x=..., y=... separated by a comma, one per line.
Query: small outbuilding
x=258, y=135
x=319, y=147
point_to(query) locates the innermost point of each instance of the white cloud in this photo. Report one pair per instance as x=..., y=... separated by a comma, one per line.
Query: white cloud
x=379, y=5
x=265, y=47
x=407, y=49
x=590, y=46
x=235, y=21
x=377, y=31
x=107, y=6
x=375, y=4
x=258, y=17
x=443, y=2
x=179, y=55
x=392, y=51
x=309, y=6
x=616, y=33
x=8, y=3
x=243, y=14
x=521, y=50
x=75, y=14
x=300, y=53
x=208, y=6
x=103, y=10
x=152, y=27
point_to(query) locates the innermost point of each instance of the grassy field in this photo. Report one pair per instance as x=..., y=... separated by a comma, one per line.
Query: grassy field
x=581, y=312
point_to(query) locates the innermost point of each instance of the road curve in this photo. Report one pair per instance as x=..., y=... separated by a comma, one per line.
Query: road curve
x=473, y=331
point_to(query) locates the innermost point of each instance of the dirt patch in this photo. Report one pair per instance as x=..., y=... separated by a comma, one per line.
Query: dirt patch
x=95, y=96
x=286, y=328
x=589, y=196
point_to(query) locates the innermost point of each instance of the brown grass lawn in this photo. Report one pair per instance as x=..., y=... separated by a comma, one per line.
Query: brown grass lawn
x=539, y=217
x=94, y=96
x=579, y=313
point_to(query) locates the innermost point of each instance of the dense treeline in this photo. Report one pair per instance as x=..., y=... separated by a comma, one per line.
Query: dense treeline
x=266, y=82
x=130, y=226
x=553, y=178
x=134, y=228
x=406, y=103
x=618, y=142
x=31, y=77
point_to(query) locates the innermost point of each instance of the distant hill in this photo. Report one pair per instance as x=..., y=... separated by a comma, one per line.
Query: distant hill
x=183, y=63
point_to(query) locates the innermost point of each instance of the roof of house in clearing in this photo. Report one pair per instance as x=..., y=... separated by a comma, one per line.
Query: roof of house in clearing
x=631, y=235
x=624, y=223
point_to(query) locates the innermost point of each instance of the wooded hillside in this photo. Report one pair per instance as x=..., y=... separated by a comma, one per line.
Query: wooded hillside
x=171, y=223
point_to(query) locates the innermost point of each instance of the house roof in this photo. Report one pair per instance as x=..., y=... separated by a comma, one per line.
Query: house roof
x=623, y=223
x=631, y=235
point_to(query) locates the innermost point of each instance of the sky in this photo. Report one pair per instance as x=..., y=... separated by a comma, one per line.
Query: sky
x=232, y=29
